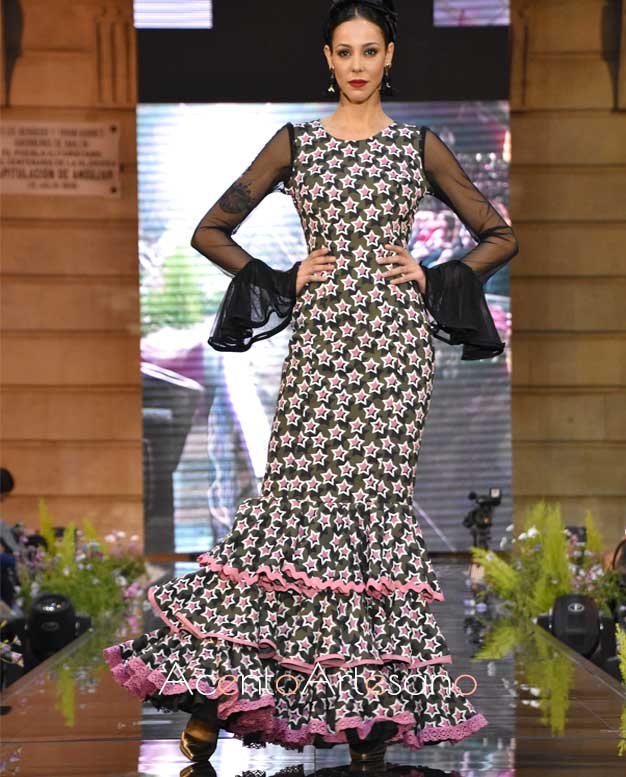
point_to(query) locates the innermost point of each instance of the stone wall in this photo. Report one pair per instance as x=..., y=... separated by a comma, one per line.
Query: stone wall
x=71, y=394
x=568, y=198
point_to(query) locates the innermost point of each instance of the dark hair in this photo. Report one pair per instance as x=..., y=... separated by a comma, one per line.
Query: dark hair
x=6, y=481
x=380, y=12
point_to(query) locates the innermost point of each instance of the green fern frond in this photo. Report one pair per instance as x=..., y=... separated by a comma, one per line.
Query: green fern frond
x=498, y=573
x=89, y=532
x=67, y=546
x=555, y=576
x=536, y=515
x=45, y=526
x=595, y=542
x=500, y=641
x=620, y=637
x=553, y=673
x=621, y=745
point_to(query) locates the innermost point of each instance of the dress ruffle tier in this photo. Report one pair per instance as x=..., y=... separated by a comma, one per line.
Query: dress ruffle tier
x=306, y=603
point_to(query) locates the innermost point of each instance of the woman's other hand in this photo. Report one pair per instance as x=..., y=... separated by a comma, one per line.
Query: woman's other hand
x=314, y=268
x=408, y=268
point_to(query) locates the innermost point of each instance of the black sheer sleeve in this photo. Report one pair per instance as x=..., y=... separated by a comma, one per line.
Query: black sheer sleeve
x=259, y=299
x=454, y=293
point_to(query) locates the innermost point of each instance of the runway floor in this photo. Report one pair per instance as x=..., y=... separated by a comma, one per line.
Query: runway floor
x=551, y=712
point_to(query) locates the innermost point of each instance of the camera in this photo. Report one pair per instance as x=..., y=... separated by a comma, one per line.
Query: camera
x=479, y=520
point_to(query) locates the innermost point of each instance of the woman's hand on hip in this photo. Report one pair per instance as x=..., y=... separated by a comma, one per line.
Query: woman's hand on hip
x=314, y=268
x=407, y=269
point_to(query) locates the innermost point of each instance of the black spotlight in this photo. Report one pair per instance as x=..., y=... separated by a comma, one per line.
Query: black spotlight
x=52, y=624
x=576, y=620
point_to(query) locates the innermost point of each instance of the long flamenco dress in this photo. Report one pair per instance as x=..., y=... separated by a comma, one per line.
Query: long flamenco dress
x=310, y=621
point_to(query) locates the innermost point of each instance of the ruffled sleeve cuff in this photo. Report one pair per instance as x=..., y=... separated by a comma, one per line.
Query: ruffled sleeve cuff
x=455, y=298
x=258, y=303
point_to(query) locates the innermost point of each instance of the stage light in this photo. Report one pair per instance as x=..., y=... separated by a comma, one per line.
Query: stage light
x=576, y=620
x=52, y=623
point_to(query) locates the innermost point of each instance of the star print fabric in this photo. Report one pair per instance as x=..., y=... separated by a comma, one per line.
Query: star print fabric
x=260, y=299
x=325, y=578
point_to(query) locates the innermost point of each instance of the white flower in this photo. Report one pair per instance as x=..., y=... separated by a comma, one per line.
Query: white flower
x=532, y=531
x=110, y=538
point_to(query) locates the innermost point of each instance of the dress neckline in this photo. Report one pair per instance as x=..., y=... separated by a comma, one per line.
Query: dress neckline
x=352, y=140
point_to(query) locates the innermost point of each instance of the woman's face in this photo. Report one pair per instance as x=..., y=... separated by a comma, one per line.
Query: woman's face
x=358, y=53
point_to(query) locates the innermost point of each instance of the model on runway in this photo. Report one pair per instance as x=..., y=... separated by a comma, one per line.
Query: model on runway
x=324, y=576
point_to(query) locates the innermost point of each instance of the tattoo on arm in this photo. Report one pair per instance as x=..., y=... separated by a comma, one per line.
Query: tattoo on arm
x=237, y=198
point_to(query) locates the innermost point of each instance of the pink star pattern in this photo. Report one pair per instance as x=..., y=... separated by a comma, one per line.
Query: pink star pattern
x=327, y=567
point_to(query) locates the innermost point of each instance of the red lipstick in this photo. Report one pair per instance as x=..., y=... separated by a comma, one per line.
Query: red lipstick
x=357, y=82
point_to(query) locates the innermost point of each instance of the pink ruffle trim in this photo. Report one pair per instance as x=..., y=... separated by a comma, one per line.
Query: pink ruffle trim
x=303, y=583
x=259, y=715
x=268, y=649
x=275, y=731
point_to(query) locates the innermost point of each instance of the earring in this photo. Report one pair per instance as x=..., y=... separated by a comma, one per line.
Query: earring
x=386, y=87
x=331, y=87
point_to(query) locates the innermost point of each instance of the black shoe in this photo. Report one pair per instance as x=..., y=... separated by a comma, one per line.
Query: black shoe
x=365, y=761
x=198, y=741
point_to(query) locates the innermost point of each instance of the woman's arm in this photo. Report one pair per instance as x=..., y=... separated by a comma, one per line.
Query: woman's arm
x=454, y=292
x=259, y=299
x=447, y=181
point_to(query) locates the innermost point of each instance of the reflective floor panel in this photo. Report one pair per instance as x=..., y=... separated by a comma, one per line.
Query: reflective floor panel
x=550, y=711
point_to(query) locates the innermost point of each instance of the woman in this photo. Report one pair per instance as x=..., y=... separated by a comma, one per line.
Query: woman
x=325, y=572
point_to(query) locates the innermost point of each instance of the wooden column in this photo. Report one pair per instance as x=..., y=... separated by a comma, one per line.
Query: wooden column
x=71, y=427
x=568, y=196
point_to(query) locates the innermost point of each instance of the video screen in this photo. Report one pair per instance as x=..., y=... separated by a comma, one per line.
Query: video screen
x=471, y=13
x=208, y=414
x=178, y=15
x=188, y=14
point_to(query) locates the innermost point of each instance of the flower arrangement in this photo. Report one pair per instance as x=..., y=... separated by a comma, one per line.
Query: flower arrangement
x=541, y=563
x=100, y=579
x=546, y=561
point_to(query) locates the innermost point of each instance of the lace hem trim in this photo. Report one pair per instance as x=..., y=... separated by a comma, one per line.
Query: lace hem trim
x=259, y=717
